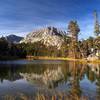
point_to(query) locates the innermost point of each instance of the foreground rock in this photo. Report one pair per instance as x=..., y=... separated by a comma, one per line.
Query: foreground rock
x=92, y=57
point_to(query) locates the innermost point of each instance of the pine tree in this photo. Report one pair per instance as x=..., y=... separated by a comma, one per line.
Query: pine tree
x=97, y=26
x=73, y=30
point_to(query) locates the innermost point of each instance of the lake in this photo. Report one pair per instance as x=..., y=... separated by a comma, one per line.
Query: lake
x=43, y=78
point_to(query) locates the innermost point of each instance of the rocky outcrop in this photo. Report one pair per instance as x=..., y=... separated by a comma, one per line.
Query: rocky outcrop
x=92, y=57
x=49, y=36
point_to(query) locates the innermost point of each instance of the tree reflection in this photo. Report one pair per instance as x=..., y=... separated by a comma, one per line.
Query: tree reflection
x=75, y=81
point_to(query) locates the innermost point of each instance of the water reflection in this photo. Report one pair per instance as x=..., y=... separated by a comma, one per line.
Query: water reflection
x=49, y=77
x=73, y=77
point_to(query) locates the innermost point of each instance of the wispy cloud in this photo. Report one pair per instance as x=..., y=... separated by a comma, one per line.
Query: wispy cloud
x=22, y=16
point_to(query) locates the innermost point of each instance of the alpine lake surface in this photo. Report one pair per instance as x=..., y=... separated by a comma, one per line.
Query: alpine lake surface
x=47, y=78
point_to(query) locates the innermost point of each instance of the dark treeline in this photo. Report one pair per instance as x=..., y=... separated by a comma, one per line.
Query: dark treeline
x=10, y=50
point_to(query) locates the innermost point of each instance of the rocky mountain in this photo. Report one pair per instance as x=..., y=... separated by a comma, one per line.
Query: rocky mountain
x=13, y=38
x=49, y=36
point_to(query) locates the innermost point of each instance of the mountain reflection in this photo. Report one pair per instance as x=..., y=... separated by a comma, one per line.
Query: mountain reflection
x=49, y=77
x=54, y=75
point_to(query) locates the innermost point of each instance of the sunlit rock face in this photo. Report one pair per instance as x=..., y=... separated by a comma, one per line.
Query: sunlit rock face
x=49, y=36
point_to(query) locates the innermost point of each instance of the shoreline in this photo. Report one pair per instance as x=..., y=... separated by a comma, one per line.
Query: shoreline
x=50, y=58
x=60, y=58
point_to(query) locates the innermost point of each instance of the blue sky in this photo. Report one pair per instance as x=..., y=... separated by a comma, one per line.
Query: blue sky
x=22, y=16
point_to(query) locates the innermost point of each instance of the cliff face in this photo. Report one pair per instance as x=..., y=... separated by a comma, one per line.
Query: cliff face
x=49, y=36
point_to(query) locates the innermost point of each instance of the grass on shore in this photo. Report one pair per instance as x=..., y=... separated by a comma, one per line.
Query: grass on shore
x=59, y=58
x=48, y=58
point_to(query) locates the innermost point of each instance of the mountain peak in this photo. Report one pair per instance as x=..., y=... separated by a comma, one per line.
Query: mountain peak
x=49, y=36
x=13, y=38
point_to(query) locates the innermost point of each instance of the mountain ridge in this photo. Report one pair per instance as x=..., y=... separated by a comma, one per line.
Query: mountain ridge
x=49, y=36
x=13, y=38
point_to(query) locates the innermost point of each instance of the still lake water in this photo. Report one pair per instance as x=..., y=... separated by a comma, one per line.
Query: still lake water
x=49, y=77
